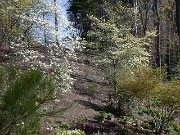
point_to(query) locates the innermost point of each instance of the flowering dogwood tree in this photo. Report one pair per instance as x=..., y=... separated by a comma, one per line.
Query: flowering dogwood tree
x=29, y=32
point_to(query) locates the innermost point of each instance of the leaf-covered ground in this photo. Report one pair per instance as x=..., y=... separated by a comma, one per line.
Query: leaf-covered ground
x=87, y=104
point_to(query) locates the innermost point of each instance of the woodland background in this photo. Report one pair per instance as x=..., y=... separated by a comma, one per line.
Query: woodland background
x=98, y=67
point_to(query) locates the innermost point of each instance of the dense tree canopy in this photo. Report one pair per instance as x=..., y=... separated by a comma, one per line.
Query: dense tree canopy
x=148, y=15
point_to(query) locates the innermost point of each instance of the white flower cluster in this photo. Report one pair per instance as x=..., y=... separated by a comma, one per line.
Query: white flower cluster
x=55, y=64
x=31, y=52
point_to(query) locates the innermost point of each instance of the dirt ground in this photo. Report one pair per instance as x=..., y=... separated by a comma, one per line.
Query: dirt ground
x=83, y=104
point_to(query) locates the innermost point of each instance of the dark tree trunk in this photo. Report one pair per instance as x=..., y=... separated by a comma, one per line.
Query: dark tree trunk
x=45, y=34
x=178, y=16
x=157, y=24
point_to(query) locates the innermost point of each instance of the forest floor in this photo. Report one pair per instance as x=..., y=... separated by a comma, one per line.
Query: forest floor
x=84, y=114
x=86, y=107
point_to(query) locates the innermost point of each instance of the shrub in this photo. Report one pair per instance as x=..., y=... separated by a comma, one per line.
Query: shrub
x=91, y=90
x=176, y=126
x=133, y=85
x=166, y=98
x=149, y=87
x=64, y=125
x=139, y=82
x=21, y=96
x=101, y=116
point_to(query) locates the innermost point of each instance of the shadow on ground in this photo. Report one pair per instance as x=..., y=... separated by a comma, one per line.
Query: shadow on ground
x=91, y=105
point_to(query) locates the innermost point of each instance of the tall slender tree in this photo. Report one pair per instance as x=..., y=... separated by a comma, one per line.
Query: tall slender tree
x=56, y=21
x=178, y=16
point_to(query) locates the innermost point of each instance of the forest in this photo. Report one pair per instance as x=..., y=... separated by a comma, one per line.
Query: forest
x=89, y=67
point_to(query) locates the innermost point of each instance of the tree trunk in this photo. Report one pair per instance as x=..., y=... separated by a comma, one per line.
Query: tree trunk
x=178, y=16
x=45, y=34
x=56, y=22
x=157, y=23
x=135, y=16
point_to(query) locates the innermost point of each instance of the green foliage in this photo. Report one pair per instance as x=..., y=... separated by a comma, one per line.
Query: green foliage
x=137, y=122
x=102, y=115
x=77, y=5
x=114, y=46
x=111, y=37
x=20, y=23
x=139, y=82
x=98, y=133
x=133, y=86
x=168, y=94
x=152, y=124
x=65, y=129
x=156, y=118
x=21, y=98
x=109, y=116
x=64, y=125
x=70, y=132
x=149, y=87
x=81, y=122
x=92, y=89
x=176, y=126
x=150, y=111
x=1, y=82
x=125, y=119
x=123, y=131
x=14, y=23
